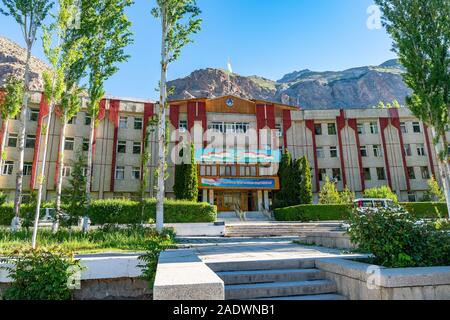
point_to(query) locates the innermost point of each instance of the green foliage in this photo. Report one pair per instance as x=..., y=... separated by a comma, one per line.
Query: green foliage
x=396, y=240
x=347, y=196
x=308, y=212
x=329, y=194
x=306, y=196
x=150, y=258
x=285, y=196
x=129, y=212
x=3, y=198
x=426, y=209
x=11, y=103
x=186, y=178
x=434, y=192
x=43, y=274
x=383, y=192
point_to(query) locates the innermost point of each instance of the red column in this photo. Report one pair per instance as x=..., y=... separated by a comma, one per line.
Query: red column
x=310, y=126
x=287, y=124
x=395, y=121
x=353, y=124
x=429, y=149
x=43, y=112
x=114, y=118
x=384, y=122
x=340, y=120
x=100, y=117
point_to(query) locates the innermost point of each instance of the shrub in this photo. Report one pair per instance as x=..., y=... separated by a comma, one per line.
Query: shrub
x=42, y=274
x=27, y=212
x=396, y=240
x=129, y=212
x=426, y=209
x=309, y=212
x=3, y=198
x=383, y=192
x=434, y=192
x=329, y=194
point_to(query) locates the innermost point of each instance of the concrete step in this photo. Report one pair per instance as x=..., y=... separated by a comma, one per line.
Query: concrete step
x=252, y=265
x=317, y=297
x=279, y=289
x=277, y=275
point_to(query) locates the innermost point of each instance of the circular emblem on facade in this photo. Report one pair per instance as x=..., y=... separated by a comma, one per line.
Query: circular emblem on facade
x=230, y=102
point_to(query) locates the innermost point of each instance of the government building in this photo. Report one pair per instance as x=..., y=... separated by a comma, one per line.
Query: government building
x=238, y=144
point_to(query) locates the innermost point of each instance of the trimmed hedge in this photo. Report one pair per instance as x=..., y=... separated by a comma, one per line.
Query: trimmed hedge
x=7, y=211
x=308, y=212
x=342, y=212
x=129, y=212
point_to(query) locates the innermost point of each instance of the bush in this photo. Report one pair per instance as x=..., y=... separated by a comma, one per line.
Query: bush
x=27, y=212
x=308, y=212
x=426, y=209
x=129, y=212
x=383, y=192
x=396, y=240
x=42, y=274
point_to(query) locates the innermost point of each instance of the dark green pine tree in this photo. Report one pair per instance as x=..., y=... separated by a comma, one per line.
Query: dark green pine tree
x=284, y=172
x=306, y=196
x=296, y=182
x=186, y=178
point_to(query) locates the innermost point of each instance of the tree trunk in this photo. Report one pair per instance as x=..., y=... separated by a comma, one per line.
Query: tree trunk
x=444, y=169
x=41, y=177
x=59, y=182
x=162, y=130
x=5, y=126
x=89, y=163
x=21, y=136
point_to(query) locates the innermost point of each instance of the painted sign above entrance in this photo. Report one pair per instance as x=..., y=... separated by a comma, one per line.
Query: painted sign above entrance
x=239, y=183
x=237, y=156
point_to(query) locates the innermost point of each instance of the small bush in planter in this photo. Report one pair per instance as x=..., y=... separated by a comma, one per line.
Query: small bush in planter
x=397, y=239
x=42, y=274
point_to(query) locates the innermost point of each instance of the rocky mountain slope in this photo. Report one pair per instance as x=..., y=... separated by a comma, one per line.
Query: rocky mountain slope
x=354, y=88
x=12, y=61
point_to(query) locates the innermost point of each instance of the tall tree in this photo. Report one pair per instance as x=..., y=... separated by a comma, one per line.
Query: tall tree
x=421, y=33
x=329, y=194
x=54, y=85
x=186, y=177
x=306, y=195
x=30, y=15
x=106, y=30
x=10, y=105
x=179, y=19
x=284, y=175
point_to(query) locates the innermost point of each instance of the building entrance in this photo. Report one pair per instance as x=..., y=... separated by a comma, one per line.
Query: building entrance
x=230, y=200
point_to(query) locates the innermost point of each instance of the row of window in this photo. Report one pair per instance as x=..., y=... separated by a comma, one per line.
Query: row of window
x=380, y=173
x=373, y=128
x=376, y=149
x=228, y=171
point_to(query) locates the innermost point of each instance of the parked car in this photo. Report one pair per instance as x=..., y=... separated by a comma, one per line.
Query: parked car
x=374, y=203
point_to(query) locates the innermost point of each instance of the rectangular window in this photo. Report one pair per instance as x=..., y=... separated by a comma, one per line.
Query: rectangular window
x=333, y=152
x=67, y=172
x=377, y=151
x=217, y=127
x=278, y=130
x=30, y=141
x=403, y=127
x=374, y=128
x=381, y=174
x=416, y=127
x=33, y=115
x=425, y=173
x=123, y=122
x=322, y=174
x=421, y=150
x=242, y=127
x=411, y=173
x=361, y=129
x=85, y=144
x=136, y=173
x=337, y=174
x=120, y=173
x=182, y=126
x=367, y=174
x=318, y=129
x=27, y=168
x=320, y=153
x=69, y=143
x=412, y=197
x=331, y=129
x=363, y=151
x=137, y=147
x=8, y=167
x=122, y=147
x=87, y=119
x=12, y=140
x=408, y=150
x=137, y=123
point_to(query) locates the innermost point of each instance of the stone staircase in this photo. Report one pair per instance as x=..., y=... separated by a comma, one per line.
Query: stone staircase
x=277, y=229
x=293, y=279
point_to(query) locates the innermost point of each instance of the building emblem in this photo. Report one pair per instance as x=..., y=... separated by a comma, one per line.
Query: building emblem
x=230, y=102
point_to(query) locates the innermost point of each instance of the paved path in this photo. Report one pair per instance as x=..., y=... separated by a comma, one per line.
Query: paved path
x=241, y=249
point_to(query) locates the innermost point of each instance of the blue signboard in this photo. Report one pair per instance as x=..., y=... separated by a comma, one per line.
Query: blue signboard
x=237, y=156
x=238, y=183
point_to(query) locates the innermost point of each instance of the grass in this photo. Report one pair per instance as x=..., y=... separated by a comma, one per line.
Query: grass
x=106, y=239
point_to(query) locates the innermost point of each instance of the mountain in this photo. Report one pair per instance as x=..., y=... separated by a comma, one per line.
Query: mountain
x=12, y=61
x=362, y=87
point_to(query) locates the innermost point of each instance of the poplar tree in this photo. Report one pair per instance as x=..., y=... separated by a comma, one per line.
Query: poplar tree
x=284, y=175
x=179, y=20
x=306, y=195
x=29, y=15
x=421, y=33
x=186, y=178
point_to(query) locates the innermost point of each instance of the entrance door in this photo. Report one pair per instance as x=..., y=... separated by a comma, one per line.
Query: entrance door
x=228, y=200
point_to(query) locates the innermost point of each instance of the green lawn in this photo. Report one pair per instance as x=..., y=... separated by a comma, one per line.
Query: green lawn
x=111, y=239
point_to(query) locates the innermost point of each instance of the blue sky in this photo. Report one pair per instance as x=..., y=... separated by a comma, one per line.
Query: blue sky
x=268, y=38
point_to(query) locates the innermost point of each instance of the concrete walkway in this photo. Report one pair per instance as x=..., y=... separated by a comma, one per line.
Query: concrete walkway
x=246, y=249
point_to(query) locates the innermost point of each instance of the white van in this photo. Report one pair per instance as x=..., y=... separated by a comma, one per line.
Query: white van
x=374, y=203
